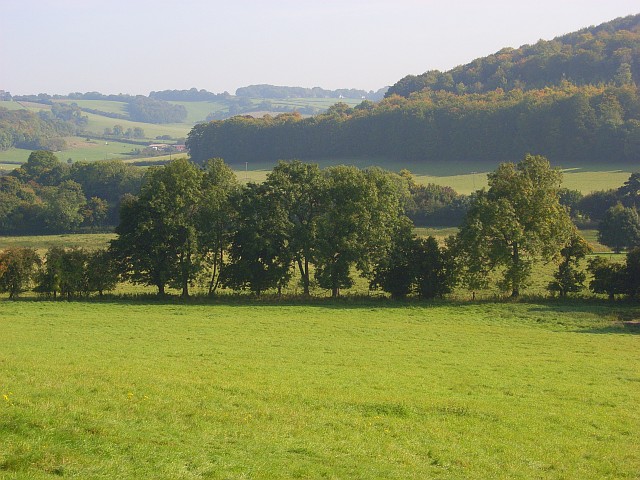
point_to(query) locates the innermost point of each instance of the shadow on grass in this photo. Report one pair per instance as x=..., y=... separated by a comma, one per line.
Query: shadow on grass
x=623, y=310
x=619, y=328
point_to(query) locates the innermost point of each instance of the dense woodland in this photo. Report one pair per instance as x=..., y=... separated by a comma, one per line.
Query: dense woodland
x=47, y=196
x=24, y=129
x=592, y=116
x=590, y=56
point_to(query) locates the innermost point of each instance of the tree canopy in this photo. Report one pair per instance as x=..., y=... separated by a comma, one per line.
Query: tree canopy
x=517, y=221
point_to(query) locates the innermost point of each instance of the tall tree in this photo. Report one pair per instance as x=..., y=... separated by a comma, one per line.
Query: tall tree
x=157, y=237
x=518, y=221
x=216, y=217
x=299, y=187
x=362, y=211
x=259, y=257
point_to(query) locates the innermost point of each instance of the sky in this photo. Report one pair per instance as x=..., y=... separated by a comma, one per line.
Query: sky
x=137, y=46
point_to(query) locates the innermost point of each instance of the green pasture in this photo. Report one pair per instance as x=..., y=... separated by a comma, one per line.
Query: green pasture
x=198, y=111
x=586, y=179
x=321, y=103
x=11, y=105
x=88, y=241
x=97, y=124
x=365, y=390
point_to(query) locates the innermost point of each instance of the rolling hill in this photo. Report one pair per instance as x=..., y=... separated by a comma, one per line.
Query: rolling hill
x=586, y=114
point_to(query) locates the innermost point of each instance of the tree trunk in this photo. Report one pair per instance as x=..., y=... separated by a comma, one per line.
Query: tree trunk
x=160, y=289
x=304, y=273
x=515, y=292
x=213, y=284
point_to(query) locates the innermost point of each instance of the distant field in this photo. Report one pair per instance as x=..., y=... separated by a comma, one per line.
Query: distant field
x=33, y=107
x=98, y=123
x=198, y=111
x=584, y=181
x=11, y=105
x=102, y=105
x=41, y=243
x=364, y=390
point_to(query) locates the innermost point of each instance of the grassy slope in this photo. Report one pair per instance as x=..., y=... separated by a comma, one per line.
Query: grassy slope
x=333, y=391
x=101, y=105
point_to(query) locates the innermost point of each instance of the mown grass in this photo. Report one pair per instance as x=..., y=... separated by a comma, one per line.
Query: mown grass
x=362, y=390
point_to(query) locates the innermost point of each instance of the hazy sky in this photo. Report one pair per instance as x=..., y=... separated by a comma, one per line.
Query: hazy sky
x=135, y=46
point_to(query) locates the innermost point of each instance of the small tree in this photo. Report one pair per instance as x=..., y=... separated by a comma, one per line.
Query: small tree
x=72, y=272
x=633, y=272
x=395, y=273
x=620, y=228
x=101, y=273
x=18, y=267
x=570, y=278
x=608, y=277
x=64, y=272
x=50, y=275
x=434, y=269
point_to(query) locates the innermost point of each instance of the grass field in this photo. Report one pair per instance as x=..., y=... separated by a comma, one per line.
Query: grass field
x=584, y=181
x=337, y=390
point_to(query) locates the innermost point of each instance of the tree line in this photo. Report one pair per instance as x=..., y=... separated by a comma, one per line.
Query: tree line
x=192, y=225
x=46, y=196
x=593, y=123
x=279, y=92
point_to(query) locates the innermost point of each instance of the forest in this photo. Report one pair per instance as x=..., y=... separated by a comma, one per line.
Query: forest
x=590, y=56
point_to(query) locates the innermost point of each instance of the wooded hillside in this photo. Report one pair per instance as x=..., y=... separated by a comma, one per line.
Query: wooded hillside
x=593, y=116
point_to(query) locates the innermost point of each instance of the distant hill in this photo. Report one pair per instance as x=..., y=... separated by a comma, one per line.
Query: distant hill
x=47, y=121
x=603, y=54
x=573, y=99
x=275, y=92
